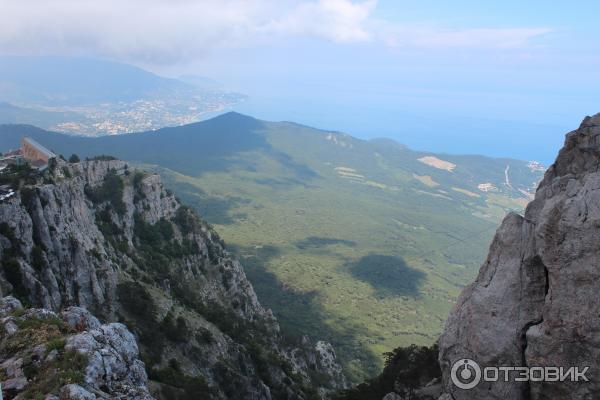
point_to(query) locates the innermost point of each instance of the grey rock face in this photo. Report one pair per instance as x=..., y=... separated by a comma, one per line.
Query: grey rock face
x=113, y=369
x=9, y=304
x=535, y=301
x=75, y=392
x=76, y=250
x=112, y=354
x=79, y=319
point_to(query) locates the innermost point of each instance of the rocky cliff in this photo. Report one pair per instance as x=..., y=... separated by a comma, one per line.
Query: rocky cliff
x=535, y=301
x=108, y=238
x=71, y=355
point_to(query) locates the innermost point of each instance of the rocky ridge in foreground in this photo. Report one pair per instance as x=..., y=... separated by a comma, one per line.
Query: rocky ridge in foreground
x=70, y=354
x=535, y=301
x=108, y=238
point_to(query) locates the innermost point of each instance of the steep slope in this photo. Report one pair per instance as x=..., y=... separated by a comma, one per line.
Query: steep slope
x=363, y=243
x=104, y=236
x=535, y=300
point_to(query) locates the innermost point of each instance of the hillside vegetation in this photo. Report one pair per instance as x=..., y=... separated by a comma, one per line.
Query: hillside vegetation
x=363, y=243
x=109, y=238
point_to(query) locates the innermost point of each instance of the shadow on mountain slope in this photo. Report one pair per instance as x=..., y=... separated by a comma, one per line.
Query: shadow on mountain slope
x=309, y=317
x=214, y=209
x=388, y=275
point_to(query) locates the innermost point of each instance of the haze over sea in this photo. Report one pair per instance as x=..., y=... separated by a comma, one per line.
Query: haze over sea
x=439, y=103
x=402, y=116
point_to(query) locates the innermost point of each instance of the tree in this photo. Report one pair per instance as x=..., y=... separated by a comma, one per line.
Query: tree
x=74, y=159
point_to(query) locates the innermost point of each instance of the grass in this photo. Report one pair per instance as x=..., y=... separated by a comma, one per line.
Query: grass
x=44, y=375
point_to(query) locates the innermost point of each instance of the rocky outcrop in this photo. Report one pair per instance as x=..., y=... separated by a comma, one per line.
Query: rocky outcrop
x=535, y=301
x=71, y=355
x=104, y=237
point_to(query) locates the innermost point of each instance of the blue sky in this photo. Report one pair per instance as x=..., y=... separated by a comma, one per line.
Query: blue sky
x=499, y=78
x=459, y=94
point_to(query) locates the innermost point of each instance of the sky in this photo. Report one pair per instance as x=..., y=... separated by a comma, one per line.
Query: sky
x=505, y=78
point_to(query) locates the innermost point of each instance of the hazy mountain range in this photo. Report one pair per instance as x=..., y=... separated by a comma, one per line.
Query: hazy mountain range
x=94, y=97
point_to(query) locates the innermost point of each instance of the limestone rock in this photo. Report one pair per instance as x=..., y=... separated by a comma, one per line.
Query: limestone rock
x=8, y=305
x=73, y=246
x=112, y=368
x=112, y=353
x=79, y=319
x=535, y=301
x=75, y=392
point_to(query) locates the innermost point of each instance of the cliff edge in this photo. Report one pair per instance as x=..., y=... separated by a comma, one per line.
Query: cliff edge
x=110, y=239
x=535, y=301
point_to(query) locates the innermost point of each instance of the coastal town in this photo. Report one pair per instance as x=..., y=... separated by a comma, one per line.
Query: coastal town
x=143, y=114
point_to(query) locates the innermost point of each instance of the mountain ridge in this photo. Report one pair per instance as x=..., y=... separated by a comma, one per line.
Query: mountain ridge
x=237, y=117
x=420, y=222
x=101, y=235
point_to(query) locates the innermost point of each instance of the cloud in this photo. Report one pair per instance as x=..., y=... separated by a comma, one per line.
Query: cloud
x=432, y=37
x=336, y=20
x=171, y=31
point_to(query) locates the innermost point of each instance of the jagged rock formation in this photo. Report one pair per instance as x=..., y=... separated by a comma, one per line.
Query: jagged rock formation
x=535, y=301
x=108, y=238
x=44, y=354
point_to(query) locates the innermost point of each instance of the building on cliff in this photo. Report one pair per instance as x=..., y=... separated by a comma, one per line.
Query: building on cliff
x=35, y=154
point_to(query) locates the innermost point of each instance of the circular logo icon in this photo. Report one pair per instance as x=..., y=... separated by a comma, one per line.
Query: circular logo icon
x=465, y=374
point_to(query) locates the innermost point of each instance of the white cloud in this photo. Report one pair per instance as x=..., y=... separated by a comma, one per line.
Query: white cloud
x=170, y=31
x=432, y=37
x=336, y=20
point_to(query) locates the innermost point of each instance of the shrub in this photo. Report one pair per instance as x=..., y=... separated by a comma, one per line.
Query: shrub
x=66, y=172
x=18, y=175
x=184, y=218
x=205, y=336
x=103, y=157
x=106, y=225
x=406, y=368
x=28, y=196
x=111, y=190
x=136, y=300
x=175, y=330
x=12, y=271
x=14, y=250
x=193, y=388
x=38, y=262
x=57, y=343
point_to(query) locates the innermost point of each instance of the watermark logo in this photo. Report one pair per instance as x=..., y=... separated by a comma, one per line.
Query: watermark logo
x=467, y=374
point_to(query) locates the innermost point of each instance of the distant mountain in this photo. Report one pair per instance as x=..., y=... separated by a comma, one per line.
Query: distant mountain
x=201, y=81
x=101, y=97
x=363, y=243
x=62, y=81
